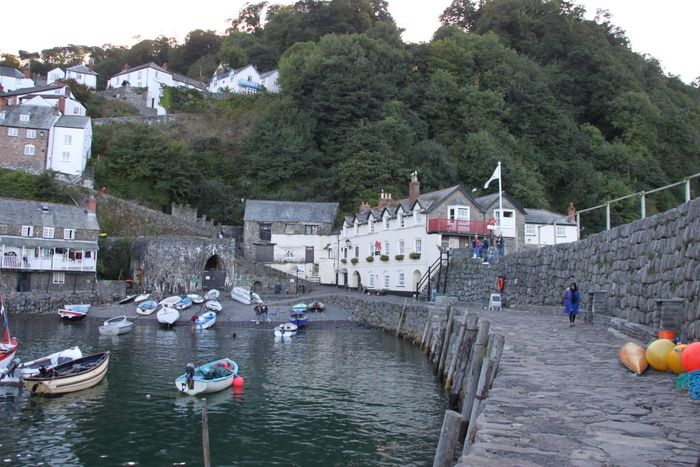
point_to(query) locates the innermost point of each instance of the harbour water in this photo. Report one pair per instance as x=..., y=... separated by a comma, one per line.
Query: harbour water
x=330, y=397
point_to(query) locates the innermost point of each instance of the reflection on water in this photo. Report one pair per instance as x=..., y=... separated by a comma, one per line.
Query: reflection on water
x=325, y=398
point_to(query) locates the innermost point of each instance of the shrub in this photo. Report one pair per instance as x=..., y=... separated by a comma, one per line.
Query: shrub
x=343, y=260
x=399, y=257
x=384, y=258
x=414, y=255
x=370, y=259
x=354, y=260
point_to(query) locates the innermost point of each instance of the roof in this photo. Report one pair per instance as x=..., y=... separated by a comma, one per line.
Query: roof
x=543, y=216
x=486, y=201
x=141, y=67
x=40, y=117
x=73, y=121
x=221, y=73
x=289, y=211
x=33, y=89
x=11, y=72
x=82, y=69
x=24, y=212
x=269, y=73
x=190, y=81
x=33, y=242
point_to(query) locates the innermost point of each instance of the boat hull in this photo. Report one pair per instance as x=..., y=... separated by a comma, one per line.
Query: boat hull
x=204, y=386
x=8, y=353
x=68, y=383
x=205, y=321
x=142, y=297
x=116, y=329
x=241, y=295
x=29, y=369
x=147, y=308
x=168, y=316
x=214, y=306
x=286, y=330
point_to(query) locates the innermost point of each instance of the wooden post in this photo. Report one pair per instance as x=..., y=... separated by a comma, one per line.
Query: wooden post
x=464, y=356
x=401, y=317
x=446, y=341
x=456, y=354
x=449, y=436
x=425, y=330
x=480, y=394
x=495, y=355
x=205, y=434
x=472, y=376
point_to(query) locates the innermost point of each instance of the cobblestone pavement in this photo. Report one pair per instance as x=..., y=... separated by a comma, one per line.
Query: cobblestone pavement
x=562, y=398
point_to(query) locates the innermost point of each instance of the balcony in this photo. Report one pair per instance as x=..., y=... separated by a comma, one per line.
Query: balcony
x=244, y=83
x=458, y=227
x=51, y=263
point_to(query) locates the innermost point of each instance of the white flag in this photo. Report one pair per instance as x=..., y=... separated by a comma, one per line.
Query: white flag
x=496, y=176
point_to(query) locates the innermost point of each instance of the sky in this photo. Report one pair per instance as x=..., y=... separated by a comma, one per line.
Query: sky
x=664, y=30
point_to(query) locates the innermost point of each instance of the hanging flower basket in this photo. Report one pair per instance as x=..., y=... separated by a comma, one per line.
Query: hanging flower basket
x=354, y=260
x=370, y=259
x=343, y=260
x=399, y=257
x=384, y=258
x=414, y=255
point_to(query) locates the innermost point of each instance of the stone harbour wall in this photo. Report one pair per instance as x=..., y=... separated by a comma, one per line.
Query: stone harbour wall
x=635, y=264
x=43, y=302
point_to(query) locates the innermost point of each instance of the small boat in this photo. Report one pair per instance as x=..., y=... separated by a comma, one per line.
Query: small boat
x=317, y=306
x=205, y=320
x=8, y=345
x=168, y=315
x=212, y=377
x=255, y=298
x=78, y=374
x=147, y=308
x=127, y=299
x=300, y=307
x=286, y=330
x=170, y=301
x=298, y=318
x=116, y=326
x=241, y=295
x=213, y=294
x=12, y=375
x=74, y=312
x=196, y=299
x=142, y=297
x=213, y=305
x=184, y=303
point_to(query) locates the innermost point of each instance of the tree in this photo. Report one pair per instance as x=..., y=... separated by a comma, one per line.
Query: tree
x=9, y=61
x=250, y=19
x=462, y=13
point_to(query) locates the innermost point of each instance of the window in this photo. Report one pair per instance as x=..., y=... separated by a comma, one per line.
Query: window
x=345, y=253
x=12, y=132
x=75, y=255
x=310, y=229
x=371, y=249
x=402, y=220
x=27, y=231
x=400, y=279
x=370, y=279
x=453, y=243
x=458, y=213
x=357, y=252
x=289, y=229
x=59, y=278
x=561, y=231
x=417, y=217
x=46, y=252
x=28, y=149
x=401, y=247
x=386, y=223
x=386, y=280
x=68, y=234
x=88, y=254
x=357, y=229
x=508, y=217
x=371, y=225
x=266, y=232
x=418, y=245
x=48, y=232
x=2, y=115
x=386, y=248
x=24, y=117
x=67, y=139
x=76, y=110
x=530, y=230
x=66, y=156
x=31, y=134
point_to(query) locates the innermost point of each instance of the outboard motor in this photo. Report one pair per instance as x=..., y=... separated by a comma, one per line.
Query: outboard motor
x=10, y=370
x=189, y=371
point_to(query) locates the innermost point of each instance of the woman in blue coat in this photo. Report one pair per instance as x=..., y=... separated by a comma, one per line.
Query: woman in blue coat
x=572, y=299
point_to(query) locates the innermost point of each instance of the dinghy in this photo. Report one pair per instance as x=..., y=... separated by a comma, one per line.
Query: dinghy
x=13, y=375
x=255, y=298
x=213, y=305
x=147, y=308
x=127, y=299
x=142, y=297
x=213, y=294
x=196, y=299
x=116, y=326
x=212, y=377
x=298, y=318
x=8, y=345
x=184, y=303
x=317, y=307
x=241, y=295
x=205, y=320
x=300, y=307
x=286, y=330
x=170, y=301
x=74, y=312
x=167, y=315
x=81, y=373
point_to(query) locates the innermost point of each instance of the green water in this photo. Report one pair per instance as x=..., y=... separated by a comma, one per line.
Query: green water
x=329, y=397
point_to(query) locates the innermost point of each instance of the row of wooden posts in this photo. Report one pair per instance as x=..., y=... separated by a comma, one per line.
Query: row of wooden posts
x=465, y=357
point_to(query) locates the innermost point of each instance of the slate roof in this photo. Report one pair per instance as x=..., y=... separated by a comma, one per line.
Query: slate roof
x=141, y=67
x=40, y=117
x=33, y=89
x=190, y=81
x=73, y=121
x=11, y=72
x=23, y=212
x=82, y=69
x=486, y=201
x=269, y=73
x=289, y=211
x=543, y=216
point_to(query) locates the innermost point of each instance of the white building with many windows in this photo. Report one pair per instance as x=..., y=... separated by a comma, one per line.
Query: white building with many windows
x=80, y=73
x=12, y=78
x=543, y=227
x=245, y=80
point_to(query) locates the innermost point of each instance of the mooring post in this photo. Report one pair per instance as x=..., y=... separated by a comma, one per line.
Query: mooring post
x=480, y=394
x=205, y=434
x=472, y=376
x=449, y=436
x=464, y=357
x=401, y=317
x=446, y=341
x=457, y=352
x=495, y=355
x=425, y=330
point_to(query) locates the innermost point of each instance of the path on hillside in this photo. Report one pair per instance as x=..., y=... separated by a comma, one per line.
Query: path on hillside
x=561, y=398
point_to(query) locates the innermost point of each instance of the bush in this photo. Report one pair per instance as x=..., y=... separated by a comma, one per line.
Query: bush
x=414, y=255
x=343, y=260
x=399, y=257
x=384, y=258
x=370, y=259
x=354, y=260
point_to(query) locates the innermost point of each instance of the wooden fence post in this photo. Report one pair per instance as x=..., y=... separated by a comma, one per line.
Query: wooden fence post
x=480, y=394
x=425, y=330
x=446, y=341
x=495, y=355
x=472, y=376
x=462, y=364
x=401, y=317
x=205, y=434
x=449, y=436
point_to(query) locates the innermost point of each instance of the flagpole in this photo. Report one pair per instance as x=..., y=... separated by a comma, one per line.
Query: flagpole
x=500, y=200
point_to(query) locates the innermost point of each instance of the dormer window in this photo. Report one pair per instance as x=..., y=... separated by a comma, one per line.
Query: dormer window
x=371, y=225
x=417, y=217
x=2, y=115
x=386, y=223
x=24, y=117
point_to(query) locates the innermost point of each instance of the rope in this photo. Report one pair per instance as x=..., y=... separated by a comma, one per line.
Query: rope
x=694, y=385
x=682, y=381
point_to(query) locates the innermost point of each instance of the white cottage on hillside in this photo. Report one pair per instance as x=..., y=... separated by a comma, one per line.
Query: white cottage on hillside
x=80, y=73
x=57, y=95
x=244, y=80
x=12, y=78
x=270, y=81
x=153, y=77
x=543, y=227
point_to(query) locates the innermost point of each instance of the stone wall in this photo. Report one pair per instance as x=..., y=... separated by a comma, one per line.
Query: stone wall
x=636, y=264
x=134, y=96
x=144, y=120
x=12, y=154
x=42, y=302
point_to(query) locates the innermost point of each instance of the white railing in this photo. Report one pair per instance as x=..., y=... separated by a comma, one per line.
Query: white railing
x=57, y=263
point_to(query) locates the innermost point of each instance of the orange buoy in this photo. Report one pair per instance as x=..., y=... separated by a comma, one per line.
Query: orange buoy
x=691, y=357
x=238, y=381
x=674, y=359
x=632, y=356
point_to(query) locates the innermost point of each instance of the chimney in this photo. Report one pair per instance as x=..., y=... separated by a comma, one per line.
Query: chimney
x=384, y=199
x=62, y=104
x=91, y=206
x=572, y=212
x=364, y=206
x=165, y=66
x=414, y=187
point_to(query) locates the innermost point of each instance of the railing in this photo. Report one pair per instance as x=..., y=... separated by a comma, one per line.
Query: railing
x=47, y=264
x=458, y=226
x=249, y=84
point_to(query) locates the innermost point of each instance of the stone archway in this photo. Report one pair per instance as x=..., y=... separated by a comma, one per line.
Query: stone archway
x=416, y=278
x=356, y=282
x=214, y=274
x=215, y=263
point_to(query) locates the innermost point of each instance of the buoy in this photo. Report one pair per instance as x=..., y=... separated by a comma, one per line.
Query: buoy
x=657, y=352
x=690, y=358
x=632, y=356
x=148, y=396
x=674, y=359
x=238, y=381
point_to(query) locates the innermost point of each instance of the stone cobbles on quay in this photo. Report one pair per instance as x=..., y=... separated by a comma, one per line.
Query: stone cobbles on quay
x=561, y=398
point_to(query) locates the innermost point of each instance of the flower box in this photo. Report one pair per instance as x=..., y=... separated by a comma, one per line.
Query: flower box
x=399, y=257
x=414, y=255
x=384, y=258
x=343, y=260
x=370, y=259
x=354, y=260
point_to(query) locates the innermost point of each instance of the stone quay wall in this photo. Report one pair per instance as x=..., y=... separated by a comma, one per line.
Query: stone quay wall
x=634, y=264
x=50, y=302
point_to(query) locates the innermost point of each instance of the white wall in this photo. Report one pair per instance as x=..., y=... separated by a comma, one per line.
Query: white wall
x=12, y=84
x=149, y=78
x=231, y=82
x=74, y=107
x=271, y=82
x=547, y=237
x=78, y=150
x=55, y=75
x=83, y=78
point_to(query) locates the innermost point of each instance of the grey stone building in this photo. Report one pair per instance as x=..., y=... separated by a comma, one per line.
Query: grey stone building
x=513, y=222
x=175, y=264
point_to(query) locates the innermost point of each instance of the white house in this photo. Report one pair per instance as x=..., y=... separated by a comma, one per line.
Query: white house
x=544, y=227
x=12, y=78
x=72, y=143
x=153, y=77
x=244, y=80
x=80, y=73
x=54, y=75
x=58, y=95
x=270, y=81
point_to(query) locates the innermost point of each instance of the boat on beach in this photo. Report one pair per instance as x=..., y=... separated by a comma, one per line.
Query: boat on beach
x=298, y=318
x=74, y=312
x=127, y=299
x=211, y=377
x=78, y=374
x=213, y=294
x=168, y=315
x=317, y=307
x=8, y=345
x=205, y=320
x=196, y=299
x=241, y=295
x=184, y=303
x=142, y=297
x=14, y=375
x=147, y=308
x=300, y=307
x=170, y=301
x=286, y=330
x=213, y=305
x=116, y=326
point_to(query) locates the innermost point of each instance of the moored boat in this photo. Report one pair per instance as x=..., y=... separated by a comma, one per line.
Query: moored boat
x=142, y=297
x=147, y=308
x=74, y=312
x=211, y=377
x=213, y=305
x=184, y=303
x=127, y=299
x=8, y=345
x=196, y=299
x=241, y=295
x=81, y=373
x=205, y=320
x=317, y=307
x=298, y=318
x=116, y=326
x=286, y=330
x=24, y=370
x=213, y=294
x=168, y=315
x=300, y=307
x=170, y=301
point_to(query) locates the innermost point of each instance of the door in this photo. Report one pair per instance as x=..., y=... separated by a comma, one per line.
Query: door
x=212, y=279
x=23, y=282
x=264, y=253
x=309, y=254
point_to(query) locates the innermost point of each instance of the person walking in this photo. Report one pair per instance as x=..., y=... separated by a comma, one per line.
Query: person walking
x=572, y=299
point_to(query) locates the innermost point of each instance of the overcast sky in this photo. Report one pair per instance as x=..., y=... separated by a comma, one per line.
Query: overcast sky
x=665, y=30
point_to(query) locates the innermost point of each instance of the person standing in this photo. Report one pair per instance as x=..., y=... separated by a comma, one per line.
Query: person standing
x=499, y=245
x=572, y=300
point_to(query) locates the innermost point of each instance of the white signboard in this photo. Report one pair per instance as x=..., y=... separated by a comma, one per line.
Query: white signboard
x=301, y=268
